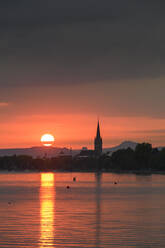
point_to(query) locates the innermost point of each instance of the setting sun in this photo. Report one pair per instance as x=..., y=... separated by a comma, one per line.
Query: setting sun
x=47, y=139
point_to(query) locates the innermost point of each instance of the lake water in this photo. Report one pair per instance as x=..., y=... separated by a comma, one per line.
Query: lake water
x=38, y=210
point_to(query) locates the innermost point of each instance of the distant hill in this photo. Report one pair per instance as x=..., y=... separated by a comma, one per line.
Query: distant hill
x=123, y=145
x=55, y=151
x=35, y=151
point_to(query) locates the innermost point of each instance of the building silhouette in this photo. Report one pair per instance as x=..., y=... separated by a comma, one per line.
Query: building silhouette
x=86, y=153
x=98, y=142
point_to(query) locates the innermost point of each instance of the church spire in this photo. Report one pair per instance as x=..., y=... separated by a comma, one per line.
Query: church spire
x=98, y=130
x=98, y=142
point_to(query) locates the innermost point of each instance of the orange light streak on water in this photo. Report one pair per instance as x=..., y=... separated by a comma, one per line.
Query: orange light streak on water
x=47, y=205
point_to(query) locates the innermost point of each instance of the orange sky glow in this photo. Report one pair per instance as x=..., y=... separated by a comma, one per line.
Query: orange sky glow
x=70, y=114
x=79, y=130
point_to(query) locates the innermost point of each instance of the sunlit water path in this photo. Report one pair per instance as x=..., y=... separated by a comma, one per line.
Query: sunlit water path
x=38, y=210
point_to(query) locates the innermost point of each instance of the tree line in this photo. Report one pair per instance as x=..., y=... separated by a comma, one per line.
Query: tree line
x=143, y=159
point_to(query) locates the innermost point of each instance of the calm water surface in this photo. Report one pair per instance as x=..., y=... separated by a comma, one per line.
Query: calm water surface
x=38, y=210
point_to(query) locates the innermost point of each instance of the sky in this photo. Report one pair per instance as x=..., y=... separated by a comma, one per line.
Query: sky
x=66, y=63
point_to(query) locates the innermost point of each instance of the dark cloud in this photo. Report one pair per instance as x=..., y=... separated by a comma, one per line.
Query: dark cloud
x=81, y=41
x=50, y=12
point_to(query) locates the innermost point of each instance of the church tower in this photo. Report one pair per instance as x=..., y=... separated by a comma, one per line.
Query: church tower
x=98, y=142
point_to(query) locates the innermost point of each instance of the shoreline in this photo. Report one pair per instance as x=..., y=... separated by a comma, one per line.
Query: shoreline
x=135, y=172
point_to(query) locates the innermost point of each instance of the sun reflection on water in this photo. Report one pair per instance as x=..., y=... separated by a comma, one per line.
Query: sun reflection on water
x=47, y=201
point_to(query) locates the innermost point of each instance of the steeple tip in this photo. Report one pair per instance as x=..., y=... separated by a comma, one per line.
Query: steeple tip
x=98, y=141
x=98, y=129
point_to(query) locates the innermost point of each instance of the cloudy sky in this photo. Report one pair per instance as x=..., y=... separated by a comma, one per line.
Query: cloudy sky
x=65, y=63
